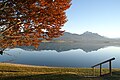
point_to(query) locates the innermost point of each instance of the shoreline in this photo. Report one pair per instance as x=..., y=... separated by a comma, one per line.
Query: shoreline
x=27, y=65
x=10, y=71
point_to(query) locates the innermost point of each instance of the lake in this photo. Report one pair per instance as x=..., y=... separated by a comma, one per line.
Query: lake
x=66, y=58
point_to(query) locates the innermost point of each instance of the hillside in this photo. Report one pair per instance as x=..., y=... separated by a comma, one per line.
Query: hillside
x=86, y=36
x=87, y=41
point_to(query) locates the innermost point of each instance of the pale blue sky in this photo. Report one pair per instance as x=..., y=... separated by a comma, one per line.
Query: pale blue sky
x=98, y=16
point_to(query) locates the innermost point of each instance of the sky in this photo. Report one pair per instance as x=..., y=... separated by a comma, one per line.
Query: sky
x=97, y=16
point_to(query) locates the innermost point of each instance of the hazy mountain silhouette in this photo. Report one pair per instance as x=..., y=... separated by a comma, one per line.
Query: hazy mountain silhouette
x=87, y=36
x=87, y=41
x=59, y=47
x=92, y=36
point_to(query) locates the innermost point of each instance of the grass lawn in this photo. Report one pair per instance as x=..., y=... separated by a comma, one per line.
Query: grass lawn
x=26, y=72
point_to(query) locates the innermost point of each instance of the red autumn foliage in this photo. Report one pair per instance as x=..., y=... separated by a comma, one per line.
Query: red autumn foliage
x=28, y=22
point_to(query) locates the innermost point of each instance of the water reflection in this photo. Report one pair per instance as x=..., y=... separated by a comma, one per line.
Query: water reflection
x=60, y=47
x=70, y=58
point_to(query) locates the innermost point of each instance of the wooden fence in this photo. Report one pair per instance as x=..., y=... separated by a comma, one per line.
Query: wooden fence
x=100, y=64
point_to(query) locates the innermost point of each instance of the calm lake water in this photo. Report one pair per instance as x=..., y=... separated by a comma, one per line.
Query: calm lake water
x=70, y=58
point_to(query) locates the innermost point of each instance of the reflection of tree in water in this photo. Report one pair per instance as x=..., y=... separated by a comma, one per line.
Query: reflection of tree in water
x=3, y=52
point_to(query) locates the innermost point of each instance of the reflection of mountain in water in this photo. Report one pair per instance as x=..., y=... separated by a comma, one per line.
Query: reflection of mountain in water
x=59, y=47
x=87, y=41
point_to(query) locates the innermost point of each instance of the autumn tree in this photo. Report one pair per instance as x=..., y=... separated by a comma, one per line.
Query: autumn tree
x=28, y=22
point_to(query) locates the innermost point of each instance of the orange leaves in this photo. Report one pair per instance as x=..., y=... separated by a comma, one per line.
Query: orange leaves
x=28, y=22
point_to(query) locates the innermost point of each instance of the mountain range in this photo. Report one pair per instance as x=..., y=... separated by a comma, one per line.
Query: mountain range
x=87, y=41
x=86, y=36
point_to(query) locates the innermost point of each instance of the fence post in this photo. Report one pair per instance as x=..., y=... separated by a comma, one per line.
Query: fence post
x=110, y=68
x=93, y=71
x=100, y=69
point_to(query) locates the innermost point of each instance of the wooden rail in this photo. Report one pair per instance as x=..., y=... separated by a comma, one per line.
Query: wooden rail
x=110, y=66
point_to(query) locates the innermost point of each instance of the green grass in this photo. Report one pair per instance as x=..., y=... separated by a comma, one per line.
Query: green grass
x=26, y=72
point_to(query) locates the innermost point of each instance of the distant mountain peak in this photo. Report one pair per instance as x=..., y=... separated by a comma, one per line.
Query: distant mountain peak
x=86, y=36
x=88, y=32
